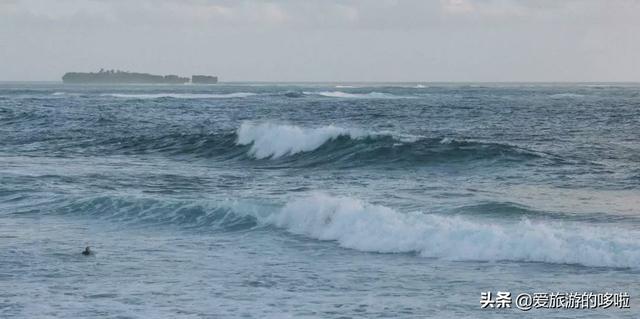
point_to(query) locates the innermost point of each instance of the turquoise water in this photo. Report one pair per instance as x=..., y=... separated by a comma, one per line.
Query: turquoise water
x=316, y=200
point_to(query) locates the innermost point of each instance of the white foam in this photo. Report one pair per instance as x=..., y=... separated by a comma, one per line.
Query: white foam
x=447, y=140
x=277, y=140
x=180, y=95
x=359, y=225
x=65, y=94
x=566, y=96
x=345, y=95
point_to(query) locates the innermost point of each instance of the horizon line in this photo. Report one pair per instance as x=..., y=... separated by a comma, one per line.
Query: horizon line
x=344, y=82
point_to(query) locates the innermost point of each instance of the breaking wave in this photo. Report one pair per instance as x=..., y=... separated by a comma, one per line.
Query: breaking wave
x=356, y=224
x=351, y=146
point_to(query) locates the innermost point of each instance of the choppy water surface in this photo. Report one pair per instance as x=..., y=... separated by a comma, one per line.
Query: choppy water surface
x=315, y=200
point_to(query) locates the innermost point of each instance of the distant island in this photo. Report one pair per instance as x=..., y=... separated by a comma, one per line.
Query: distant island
x=204, y=79
x=124, y=77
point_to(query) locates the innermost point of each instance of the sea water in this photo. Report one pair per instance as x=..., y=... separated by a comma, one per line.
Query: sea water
x=262, y=200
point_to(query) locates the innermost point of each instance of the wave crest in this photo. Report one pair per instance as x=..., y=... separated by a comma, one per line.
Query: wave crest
x=273, y=141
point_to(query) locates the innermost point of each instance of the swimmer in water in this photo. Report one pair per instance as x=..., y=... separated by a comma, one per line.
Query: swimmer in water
x=87, y=251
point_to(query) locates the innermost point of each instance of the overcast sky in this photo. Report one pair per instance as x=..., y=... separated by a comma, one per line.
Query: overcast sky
x=325, y=40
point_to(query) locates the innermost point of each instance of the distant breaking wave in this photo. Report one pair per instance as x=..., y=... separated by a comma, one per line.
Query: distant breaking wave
x=566, y=96
x=66, y=94
x=356, y=224
x=181, y=95
x=370, y=95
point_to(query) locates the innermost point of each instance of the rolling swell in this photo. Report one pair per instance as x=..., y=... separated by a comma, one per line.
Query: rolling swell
x=269, y=144
x=201, y=145
x=504, y=210
x=358, y=225
x=151, y=211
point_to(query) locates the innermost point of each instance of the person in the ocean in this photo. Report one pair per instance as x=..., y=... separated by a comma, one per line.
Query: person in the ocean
x=87, y=251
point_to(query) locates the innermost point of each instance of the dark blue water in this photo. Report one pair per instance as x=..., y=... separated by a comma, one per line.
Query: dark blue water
x=315, y=200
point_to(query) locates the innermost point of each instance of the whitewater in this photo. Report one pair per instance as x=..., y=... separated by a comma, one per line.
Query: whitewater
x=315, y=200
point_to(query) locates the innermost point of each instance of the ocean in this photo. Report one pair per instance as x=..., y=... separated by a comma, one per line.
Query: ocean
x=305, y=200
